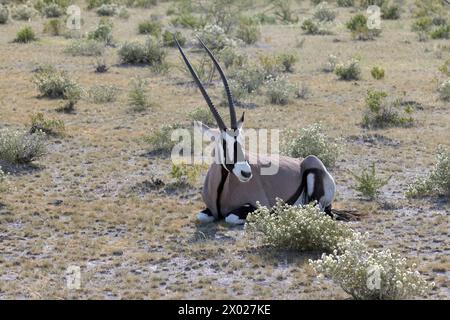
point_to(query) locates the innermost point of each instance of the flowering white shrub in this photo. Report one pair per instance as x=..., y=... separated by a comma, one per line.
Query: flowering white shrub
x=371, y=274
x=311, y=141
x=304, y=228
x=21, y=147
x=437, y=182
x=215, y=38
x=444, y=90
x=279, y=90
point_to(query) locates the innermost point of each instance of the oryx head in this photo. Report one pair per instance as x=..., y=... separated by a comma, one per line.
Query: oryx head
x=230, y=142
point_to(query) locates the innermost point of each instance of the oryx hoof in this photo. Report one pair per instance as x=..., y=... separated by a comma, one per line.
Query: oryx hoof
x=234, y=219
x=205, y=216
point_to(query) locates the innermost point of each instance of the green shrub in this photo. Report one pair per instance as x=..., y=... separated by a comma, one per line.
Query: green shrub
x=188, y=20
x=48, y=126
x=382, y=112
x=169, y=41
x=97, y=3
x=186, y=175
x=359, y=29
x=72, y=95
x=264, y=18
x=371, y=274
x=138, y=98
x=22, y=12
x=203, y=115
x=279, y=90
x=423, y=24
x=53, y=27
x=323, y=13
x=160, y=140
x=348, y=71
x=103, y=93
x=107, y=10
x=442, y=32
x=102, y=33
x=4, y=14
x=25, y=35
x=52, y=10
x=303, y=228
x=367, y=182
x=445, y=68
x=85, y=47
x=250, y=33
x=151, y=52
x=284, y=12
x=345, y=3
x=123, y=13
x=21, y=147
x=437, y=182
x=310, y=27
x=52, y=83
x=230, y=58
x=390, y=12
x=444, y=91
x=151, y=27
x=287, y=60
x=249, y=77
x=377, y=73
x=311, y=141
x=145, y=3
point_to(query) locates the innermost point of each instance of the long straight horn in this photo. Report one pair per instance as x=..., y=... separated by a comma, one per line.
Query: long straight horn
x=225, y=84
x=213, y=109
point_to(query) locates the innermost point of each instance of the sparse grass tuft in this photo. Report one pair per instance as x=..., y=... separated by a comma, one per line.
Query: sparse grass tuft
x=438, y=180
x=54, y=27
x=103, y=93
x=203, y=115
x=25, y=35
x=377, y=73
x=169, y=41
x=367, y=182
x=85, y=47
x=186, y=175
x=138, y=98
x=160, y=140
x=50, y=127
x=18, y=147
x=311, y=141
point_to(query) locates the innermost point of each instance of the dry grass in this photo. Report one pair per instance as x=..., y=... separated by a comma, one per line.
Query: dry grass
x=147, y=244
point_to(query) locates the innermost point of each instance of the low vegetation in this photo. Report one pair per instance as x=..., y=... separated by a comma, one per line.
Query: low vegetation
x=17, y=147
x=25, y=35
x=85, y=47
x=384, y=112
x=311, y=141
x=50, y=127
x=437, y=182
x=371, y=274
x=53, y=83
x=349, y=70
x=368, y=184
x=138, y=97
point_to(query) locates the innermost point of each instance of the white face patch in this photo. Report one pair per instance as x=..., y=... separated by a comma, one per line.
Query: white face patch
x=242, y=171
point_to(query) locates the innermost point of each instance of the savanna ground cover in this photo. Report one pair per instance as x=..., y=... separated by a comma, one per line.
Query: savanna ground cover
x=91, y=185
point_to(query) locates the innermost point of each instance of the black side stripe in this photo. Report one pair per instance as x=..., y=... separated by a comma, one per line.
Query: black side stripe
x=223, y=178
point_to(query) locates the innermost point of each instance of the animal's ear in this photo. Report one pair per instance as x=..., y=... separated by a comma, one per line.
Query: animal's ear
x=240, y=123
x=204, y=129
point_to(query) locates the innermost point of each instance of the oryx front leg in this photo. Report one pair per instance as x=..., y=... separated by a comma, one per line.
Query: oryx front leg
x=238, y=216
x=205, y=216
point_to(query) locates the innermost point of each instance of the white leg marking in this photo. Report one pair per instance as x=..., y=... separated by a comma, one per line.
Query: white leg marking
x=203, y=217
x=234, y=219
x=310, y=184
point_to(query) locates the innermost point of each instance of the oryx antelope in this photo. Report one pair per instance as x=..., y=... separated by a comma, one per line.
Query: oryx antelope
x=234, y=184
